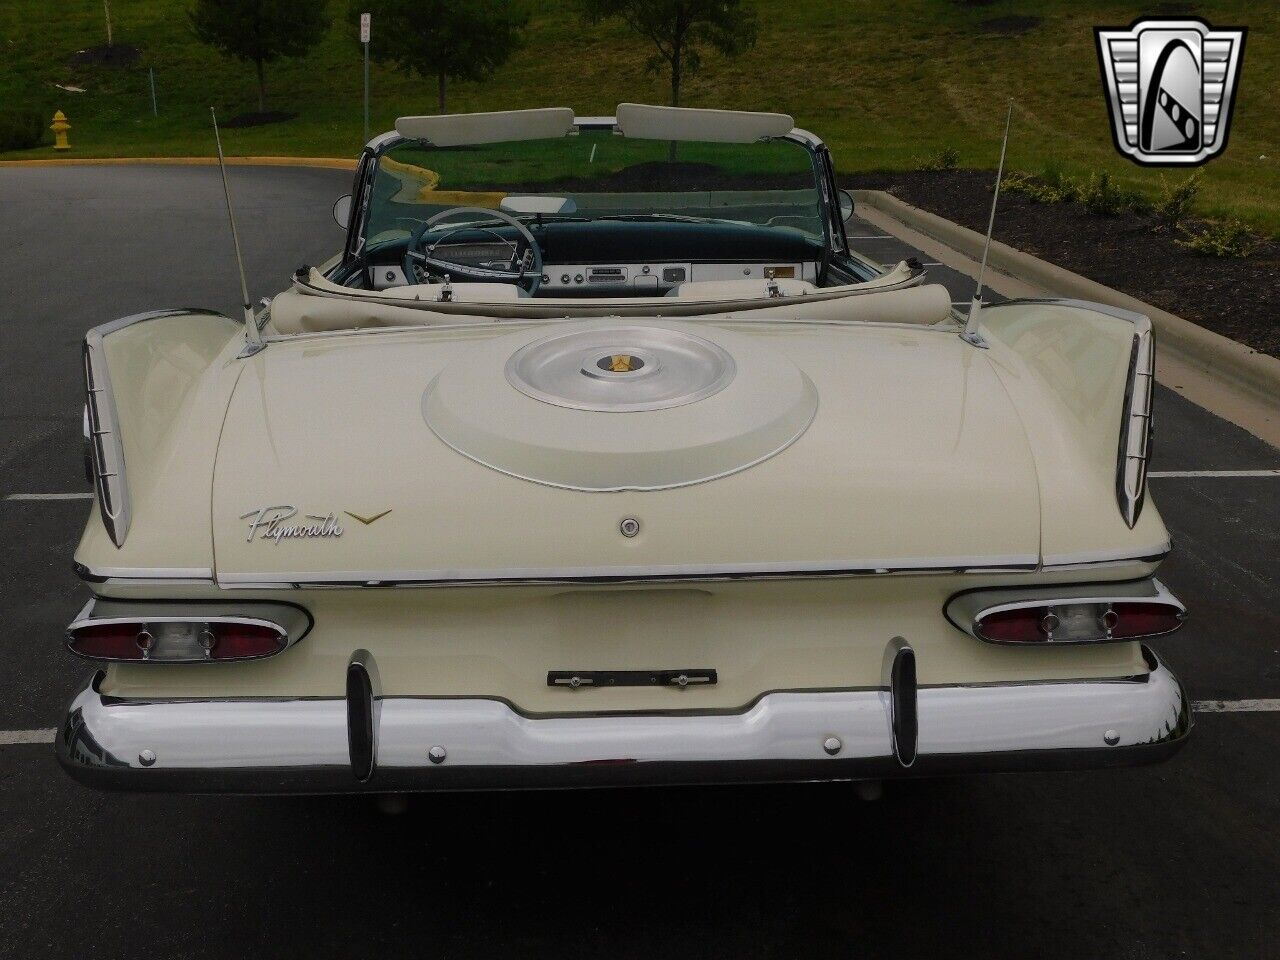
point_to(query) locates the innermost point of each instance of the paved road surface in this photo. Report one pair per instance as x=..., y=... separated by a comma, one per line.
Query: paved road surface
x=1178, y=860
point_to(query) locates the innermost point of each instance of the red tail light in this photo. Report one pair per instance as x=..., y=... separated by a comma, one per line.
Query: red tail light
x=1078, y=622
x=239, y=641
x=109, y=641
x=176, y=641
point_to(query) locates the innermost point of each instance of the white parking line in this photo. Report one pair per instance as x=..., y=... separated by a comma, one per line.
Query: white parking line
x=48, y=496
x=1214, y=473
x=10, y=737
x=46, y=735
x=1236, y=706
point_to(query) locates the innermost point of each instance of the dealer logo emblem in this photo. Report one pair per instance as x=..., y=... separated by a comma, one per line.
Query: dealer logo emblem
x=1170, y=85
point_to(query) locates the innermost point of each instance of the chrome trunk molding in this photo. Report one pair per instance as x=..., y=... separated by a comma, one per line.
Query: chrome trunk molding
x=302, y=745
x=176, y=576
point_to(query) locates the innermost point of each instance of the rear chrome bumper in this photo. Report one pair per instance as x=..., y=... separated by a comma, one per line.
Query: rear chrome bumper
x=369, y=743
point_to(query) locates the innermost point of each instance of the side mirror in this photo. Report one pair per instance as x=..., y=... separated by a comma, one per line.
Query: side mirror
x=846, y=204
x=342, y=211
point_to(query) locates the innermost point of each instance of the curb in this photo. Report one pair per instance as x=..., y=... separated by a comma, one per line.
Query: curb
x=329, y=163
x=1216, y=355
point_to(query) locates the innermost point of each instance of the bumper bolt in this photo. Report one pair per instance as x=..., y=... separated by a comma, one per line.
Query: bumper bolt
x=437, y=754
x=629, y=527
x=147, y=757
x=832, y=745
x=1111, y=737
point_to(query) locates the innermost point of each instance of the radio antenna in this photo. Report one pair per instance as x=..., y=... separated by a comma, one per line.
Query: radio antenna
x=253, y=336
x=971, y=334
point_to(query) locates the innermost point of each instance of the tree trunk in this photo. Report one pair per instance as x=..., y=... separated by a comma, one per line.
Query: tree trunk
x=676, y=77
x=675, y=93
x=262, y=86
x=440, y=79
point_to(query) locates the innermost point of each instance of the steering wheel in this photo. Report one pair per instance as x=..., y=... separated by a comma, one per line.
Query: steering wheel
x=420, y=257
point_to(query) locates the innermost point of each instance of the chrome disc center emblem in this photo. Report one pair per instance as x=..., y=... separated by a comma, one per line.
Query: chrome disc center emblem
x=620, y=369
x=621, y=364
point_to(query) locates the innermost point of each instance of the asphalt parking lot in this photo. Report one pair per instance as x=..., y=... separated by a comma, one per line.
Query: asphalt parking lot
x=1178, y=860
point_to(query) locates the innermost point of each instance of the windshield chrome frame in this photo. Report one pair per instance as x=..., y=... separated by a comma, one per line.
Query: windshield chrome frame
x=367, y=167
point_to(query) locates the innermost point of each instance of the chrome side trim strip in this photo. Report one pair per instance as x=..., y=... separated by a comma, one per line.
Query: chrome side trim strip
x=1075, y=561
x=147, y=574
x=1103, y=308
x=174, y=576
x=299, y=746
x=605, y=575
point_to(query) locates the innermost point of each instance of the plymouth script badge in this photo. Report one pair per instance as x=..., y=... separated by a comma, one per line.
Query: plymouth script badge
x=1170, y=84
x=283, y=523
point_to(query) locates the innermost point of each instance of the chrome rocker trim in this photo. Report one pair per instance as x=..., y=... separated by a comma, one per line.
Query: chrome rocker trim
x=370, y=743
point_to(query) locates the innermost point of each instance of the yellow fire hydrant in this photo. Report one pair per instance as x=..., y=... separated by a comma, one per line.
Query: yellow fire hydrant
x=60, y=126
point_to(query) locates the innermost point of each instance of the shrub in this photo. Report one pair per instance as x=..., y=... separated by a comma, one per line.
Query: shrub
x=22, y=128
x=1053, y=188
x=947, y=158
x=1175, y=203
x=1101, y=196
x=1227, y=238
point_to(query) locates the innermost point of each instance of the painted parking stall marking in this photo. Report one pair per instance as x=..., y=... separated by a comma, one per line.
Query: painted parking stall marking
x=49, y=496
x=1214, y=473
x=9, y=738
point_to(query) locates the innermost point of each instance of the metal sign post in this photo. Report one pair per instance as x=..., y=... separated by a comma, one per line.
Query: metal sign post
x=151, y=72
x=365, y=22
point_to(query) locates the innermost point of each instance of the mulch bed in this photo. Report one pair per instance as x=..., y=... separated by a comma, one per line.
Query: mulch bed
x=1236, y=297
x=257, y=119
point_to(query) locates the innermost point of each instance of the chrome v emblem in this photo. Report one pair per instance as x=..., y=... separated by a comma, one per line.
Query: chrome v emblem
x=366, y=520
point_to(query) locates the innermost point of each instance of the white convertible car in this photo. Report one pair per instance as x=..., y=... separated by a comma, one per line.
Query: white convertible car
x=597, y=457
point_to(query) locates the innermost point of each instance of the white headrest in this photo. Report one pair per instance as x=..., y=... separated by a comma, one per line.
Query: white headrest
x=642, y=122
x=454, y=129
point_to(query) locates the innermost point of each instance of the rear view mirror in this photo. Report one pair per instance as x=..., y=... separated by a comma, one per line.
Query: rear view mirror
x=846, y=204
x=342, y=211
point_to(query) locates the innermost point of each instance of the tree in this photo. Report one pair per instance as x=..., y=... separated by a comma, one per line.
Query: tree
x=681, y=29
x=444, y=39
x=260, y=31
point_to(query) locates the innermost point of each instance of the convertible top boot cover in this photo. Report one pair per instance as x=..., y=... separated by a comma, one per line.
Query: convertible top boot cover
x=735, y=448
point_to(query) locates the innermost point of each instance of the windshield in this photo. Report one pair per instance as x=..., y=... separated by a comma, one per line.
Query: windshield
x=596, y=176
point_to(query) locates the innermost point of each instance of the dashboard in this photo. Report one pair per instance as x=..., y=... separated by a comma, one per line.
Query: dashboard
x=623, y=279
x=616, y=257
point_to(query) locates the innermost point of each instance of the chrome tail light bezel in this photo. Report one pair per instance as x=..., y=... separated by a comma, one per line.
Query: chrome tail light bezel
x=968, y=609
x=290, y=621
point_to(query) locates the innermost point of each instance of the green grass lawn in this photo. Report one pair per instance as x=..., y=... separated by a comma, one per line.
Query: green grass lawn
x=885, y=84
